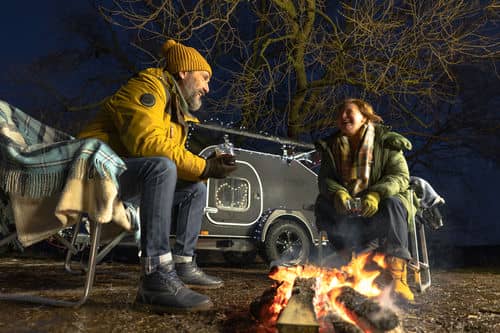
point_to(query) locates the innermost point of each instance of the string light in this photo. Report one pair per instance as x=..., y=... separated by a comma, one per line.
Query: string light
x=228, y=196
x=257, y=232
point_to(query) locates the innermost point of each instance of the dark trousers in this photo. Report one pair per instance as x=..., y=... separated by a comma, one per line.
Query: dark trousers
x=388, y=227
x=152, y=181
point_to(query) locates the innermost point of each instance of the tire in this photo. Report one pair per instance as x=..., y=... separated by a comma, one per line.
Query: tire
x=240, y=258
x=287, y=241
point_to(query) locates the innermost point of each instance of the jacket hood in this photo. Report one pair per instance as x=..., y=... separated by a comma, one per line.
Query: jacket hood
x=392, y=140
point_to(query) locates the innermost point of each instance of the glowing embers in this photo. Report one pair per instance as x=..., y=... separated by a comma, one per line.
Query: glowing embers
x=327, y=300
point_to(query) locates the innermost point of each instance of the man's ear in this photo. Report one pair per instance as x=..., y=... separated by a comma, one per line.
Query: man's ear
x=182, y=75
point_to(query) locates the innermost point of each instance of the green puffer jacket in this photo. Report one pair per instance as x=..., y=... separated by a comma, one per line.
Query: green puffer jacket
x=389, y=175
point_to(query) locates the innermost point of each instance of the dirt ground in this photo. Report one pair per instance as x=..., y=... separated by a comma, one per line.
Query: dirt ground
x=458, y=301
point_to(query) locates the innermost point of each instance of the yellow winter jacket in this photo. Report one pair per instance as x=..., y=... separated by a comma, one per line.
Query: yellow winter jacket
x=135, y=124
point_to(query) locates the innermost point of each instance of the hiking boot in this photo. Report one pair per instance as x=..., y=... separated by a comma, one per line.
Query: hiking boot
x=163, y=291
x=397, y=268
x=193, y=276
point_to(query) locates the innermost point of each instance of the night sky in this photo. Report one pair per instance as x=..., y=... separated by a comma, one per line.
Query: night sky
x=28, y=31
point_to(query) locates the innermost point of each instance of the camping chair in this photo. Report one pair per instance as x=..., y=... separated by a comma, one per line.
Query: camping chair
x=427, y=214
x=50, y=181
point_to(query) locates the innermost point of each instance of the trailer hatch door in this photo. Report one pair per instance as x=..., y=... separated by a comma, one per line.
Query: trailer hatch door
x=237, y=199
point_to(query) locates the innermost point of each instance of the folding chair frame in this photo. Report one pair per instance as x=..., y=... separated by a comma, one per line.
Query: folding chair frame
x=95, y=233
x=420, y=260
x=77, y=244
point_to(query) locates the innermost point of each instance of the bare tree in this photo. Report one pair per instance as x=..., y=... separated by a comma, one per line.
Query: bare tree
x=281, y=66
x=286, y=63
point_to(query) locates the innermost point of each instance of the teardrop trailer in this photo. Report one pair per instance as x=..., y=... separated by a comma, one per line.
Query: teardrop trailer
x=266, y=206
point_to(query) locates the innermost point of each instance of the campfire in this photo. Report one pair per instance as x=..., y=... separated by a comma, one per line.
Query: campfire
x=315, y=299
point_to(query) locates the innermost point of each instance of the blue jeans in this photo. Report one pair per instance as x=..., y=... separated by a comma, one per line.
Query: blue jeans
x=388, y=226
x=153, y=180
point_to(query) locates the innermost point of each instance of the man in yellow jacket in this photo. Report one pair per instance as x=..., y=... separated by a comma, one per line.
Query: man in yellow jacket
x=145, y=122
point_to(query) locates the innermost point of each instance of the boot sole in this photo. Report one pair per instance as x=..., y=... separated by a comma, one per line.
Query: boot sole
x=204, y=286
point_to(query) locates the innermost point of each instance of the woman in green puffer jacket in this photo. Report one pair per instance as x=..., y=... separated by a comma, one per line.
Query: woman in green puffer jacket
x=363, y=184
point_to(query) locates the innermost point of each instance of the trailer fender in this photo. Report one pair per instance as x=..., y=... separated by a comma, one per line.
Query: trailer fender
x=274, y=215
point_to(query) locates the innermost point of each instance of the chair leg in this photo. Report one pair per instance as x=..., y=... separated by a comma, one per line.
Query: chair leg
x=425, y=281
x=73, y=248
x=111, y=245
x=95, y=233
x=420, y=263
x=421, y=268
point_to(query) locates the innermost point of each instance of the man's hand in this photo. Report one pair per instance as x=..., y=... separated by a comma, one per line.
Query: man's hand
x=370, y=204
x=219, y=166
x=340, y=202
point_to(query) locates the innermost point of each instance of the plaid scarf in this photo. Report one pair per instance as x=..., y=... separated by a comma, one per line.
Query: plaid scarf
x=37, y=160
x=355, y=166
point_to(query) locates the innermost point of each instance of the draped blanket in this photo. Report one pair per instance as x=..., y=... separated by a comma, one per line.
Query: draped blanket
x=52, y=178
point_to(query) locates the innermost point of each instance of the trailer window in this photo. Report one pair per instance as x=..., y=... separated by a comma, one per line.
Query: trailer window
x=232, y=194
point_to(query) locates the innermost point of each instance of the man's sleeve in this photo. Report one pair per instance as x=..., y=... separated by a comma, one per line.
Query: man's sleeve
x=138, y=113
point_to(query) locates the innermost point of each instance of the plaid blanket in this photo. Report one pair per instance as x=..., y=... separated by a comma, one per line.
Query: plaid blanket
x=46, y=171
x=36, y=160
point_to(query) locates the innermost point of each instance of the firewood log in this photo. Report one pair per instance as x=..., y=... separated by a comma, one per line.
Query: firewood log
x=262, y=303
x=340, y=325
x=299, y=314
x=368, y=310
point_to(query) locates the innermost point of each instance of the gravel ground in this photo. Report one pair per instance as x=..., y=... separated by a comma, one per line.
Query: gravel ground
x=465, y=300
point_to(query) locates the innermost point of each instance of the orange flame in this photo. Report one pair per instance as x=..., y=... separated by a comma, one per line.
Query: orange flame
x=328, y=286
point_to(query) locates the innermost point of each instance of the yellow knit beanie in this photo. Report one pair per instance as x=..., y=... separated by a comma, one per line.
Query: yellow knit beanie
x=181, y=58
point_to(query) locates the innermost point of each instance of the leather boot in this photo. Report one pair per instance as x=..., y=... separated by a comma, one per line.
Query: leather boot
x=194, y=277
x=163, y=291
x=397, y=268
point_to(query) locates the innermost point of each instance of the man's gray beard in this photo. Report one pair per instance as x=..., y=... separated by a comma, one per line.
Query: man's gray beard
x=193, y=103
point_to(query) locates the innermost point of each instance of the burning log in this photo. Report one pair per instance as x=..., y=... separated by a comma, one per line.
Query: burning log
x=367, y=310
x=299, y=314
x=260, y=305
x=340, y=325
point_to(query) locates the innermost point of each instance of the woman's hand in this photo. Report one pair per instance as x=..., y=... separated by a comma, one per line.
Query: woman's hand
x=370, y=204
x=340, y=202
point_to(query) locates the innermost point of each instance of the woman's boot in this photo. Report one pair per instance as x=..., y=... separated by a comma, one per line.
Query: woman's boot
x=397, y=268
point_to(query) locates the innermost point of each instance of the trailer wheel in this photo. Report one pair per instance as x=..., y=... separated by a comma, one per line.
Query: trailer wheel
x=287, y=241
x=240, y=258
